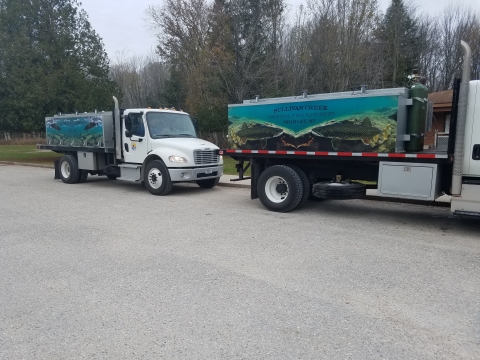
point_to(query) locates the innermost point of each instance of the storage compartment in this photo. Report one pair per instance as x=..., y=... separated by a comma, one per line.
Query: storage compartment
x=408, y=180
x=90, y=160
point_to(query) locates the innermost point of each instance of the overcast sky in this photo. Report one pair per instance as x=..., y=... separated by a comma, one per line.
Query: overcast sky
x=121, y=24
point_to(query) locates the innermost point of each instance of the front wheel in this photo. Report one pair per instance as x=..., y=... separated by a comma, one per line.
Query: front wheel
x=208, y=183
x=280, y=188
x=157, y=179
x=69, y=172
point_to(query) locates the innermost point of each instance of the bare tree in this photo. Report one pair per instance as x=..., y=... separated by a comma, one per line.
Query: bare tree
x=141, y=79
x=340, y=41
x=428, y=62
x=456, y=23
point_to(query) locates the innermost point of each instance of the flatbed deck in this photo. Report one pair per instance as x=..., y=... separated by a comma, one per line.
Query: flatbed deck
x=62, y=148
x=424, y=155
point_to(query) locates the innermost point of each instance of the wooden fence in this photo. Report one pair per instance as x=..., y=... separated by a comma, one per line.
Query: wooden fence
x=11, y=138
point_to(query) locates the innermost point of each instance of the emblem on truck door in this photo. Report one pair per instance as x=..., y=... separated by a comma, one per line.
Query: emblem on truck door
x=134, y=146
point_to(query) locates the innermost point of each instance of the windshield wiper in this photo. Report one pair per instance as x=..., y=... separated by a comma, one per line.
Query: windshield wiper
x=189, y=135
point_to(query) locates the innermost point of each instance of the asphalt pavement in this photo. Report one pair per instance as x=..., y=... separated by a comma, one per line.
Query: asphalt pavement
x=104, y=270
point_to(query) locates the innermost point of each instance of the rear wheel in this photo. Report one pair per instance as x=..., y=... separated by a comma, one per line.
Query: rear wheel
x=157, y=179
x=208, y=183
x=307, y=186
x=112, y=177
x=69, y=172
x=280, y=188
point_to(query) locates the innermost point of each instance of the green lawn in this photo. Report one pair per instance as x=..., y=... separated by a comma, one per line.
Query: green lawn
x=30, y=154
x=229, y=166
x=27, y=154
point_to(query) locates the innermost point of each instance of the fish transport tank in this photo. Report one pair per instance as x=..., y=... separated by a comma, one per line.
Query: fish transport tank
x=82, y=130
x=371, y=121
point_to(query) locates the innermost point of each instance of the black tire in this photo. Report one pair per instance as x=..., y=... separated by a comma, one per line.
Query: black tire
x=280, y=188
x=340, y=191
x=156, y=174
x=82, y=176
x=307, y=186
x=68, y=168
x=112, y=177
x=208, y=183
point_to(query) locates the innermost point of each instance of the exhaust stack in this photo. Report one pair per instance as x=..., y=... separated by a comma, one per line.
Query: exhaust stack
x=461, y=119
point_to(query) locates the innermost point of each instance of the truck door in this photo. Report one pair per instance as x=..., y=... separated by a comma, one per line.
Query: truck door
x=472, y=132
x=135, y=141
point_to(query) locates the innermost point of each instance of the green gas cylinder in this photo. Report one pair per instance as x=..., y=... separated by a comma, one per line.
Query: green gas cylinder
x=417, y=117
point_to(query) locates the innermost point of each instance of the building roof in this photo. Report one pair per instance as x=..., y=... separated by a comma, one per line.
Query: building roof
x=441, y=97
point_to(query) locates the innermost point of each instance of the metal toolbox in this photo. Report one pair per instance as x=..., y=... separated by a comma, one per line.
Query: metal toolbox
x=409, y=180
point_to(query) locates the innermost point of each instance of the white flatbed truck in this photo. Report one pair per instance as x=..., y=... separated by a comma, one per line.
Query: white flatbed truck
x=335, y=146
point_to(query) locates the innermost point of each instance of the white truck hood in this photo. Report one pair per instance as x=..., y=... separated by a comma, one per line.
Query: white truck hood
x=183, y=144
x=183, y=147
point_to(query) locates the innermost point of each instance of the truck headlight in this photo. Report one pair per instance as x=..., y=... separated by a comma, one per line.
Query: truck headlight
x=177, y=159
x=220, y=159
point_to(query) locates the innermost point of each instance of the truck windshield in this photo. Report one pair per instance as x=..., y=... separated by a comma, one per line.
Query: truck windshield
x=162, y=125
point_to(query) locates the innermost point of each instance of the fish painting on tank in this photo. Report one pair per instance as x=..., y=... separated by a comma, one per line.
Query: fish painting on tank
x=336, y=124
x=78, y=130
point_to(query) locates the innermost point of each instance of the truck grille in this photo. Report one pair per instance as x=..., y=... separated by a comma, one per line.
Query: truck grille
x=205, y=157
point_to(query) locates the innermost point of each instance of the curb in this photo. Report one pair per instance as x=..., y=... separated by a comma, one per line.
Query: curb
x=225, y=184
x=26, y=164
x=233, y=185
x=244, y=186
x=407, y=201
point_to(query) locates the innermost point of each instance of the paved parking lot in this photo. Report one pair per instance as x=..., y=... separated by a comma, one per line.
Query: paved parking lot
x=106, y=270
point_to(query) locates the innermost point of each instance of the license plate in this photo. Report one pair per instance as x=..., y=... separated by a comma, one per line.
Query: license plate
x=208, y=171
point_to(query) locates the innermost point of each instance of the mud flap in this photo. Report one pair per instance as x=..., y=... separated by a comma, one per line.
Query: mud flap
x=57, y=170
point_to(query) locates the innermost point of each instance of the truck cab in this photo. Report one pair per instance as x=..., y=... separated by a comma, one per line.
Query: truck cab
x=169, y=137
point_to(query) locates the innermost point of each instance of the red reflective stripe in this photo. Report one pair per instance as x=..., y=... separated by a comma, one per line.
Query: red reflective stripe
x=346, y=154
x=426, y=156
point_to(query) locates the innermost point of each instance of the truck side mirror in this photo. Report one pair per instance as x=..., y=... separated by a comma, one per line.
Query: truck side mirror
x=195, y=125
x=128, y=126
x=128, y=123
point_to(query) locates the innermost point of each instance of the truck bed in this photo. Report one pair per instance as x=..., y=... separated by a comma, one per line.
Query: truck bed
x=64, y=149
x=440, y=156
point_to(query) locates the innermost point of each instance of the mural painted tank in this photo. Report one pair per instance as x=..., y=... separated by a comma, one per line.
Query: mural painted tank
x=76, y=130
x=357, y=124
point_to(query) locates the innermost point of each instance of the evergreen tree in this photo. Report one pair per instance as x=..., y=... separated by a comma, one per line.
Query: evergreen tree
x=51, y=61
x=398, y=33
